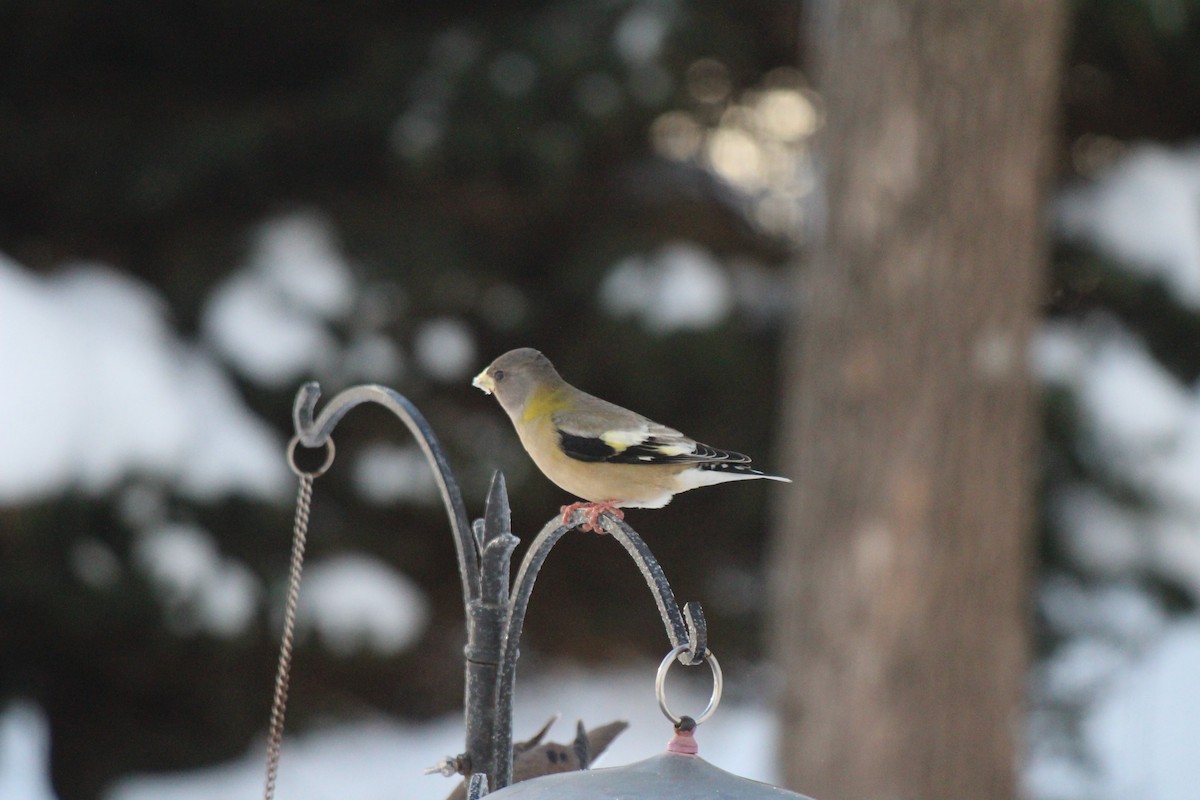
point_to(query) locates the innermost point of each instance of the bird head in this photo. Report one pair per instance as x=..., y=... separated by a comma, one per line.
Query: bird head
x=515, y=376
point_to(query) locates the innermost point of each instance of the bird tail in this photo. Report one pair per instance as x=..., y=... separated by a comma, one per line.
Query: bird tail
x=722, y=471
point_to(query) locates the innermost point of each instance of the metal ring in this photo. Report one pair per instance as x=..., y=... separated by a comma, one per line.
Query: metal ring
x=319, y=471
x=661, y=678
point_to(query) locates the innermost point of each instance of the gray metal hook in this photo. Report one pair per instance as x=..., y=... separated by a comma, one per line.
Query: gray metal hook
x=315, y=432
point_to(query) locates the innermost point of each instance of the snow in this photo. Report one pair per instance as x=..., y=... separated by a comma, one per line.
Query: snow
x=24, y=754
x=200, y=590
x=1116, y=701
x=1109, y=539
x=1081, y=668
x=298, y=254
x=1176, y=550
x=681, y=287
x=639, y=35
x=377, y=758
x=373, y=358
x=1143, y=429
x=385, y=474
x=271, y=318
x=1101, y=536
x=1058, y=776
x=356, y=602
x=421, y=128
x=445, y=349
x=1120, y=612
x=1144, y=730
x=255, y=329
x=374, y=758
x=1133, y=404
x=230, y=450
x=1059, y=353
x=503, y=306
x=94, y=563
x=100, y=389
x=1172, y=476
x=1145, y=212
x=417, y=132
x=1132, y=407
x=1096, y=714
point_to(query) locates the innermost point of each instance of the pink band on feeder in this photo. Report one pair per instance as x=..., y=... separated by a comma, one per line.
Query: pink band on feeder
x=684, y=743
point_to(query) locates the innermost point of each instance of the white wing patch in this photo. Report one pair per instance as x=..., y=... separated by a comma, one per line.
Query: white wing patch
x=622, y=439
x=676, y=449
x=667, y=441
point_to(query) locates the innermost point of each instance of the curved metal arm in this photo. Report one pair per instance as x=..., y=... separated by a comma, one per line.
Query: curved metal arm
x=314, y=433
x=495, y=617
x=688, y=628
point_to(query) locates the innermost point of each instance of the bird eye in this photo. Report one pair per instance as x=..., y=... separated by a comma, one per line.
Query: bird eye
x=498, y=375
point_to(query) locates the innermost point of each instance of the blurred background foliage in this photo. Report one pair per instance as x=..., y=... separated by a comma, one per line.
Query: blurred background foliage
x=492, y=175
x=481, y=169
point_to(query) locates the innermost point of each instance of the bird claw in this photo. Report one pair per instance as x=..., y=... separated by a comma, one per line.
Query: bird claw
x=594, y=510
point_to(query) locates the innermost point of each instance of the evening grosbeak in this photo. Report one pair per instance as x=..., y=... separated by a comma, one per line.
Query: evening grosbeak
x=608, y=455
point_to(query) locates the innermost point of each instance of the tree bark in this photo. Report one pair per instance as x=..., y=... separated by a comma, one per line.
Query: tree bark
x=903, y=555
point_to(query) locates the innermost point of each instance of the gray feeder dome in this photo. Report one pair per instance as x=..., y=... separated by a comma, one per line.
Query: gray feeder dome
x=668, y=775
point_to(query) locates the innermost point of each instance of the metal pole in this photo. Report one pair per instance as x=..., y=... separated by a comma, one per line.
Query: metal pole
x=487, y=620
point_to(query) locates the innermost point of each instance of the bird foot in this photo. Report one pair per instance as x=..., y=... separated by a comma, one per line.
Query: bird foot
x=594, y=510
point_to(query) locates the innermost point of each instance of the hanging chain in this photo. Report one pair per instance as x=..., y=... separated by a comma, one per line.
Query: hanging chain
x=284, y=670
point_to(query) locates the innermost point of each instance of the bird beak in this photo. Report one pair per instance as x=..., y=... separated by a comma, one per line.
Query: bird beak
x=484, y=381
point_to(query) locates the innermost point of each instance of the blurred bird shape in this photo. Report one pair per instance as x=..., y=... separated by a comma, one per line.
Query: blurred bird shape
x=532, y=758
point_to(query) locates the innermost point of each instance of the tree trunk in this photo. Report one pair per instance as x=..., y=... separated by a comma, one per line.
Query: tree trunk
x=903, y=556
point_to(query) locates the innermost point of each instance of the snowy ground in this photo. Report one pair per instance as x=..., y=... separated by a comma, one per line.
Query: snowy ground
x=1143, y=733
x=381, y=758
